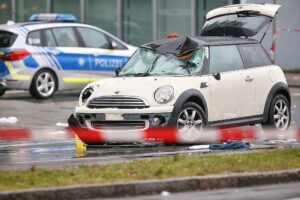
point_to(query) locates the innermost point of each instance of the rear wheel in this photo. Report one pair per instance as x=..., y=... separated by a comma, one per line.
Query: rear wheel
x=2, y=92
x=43, y=85
x=279, y=116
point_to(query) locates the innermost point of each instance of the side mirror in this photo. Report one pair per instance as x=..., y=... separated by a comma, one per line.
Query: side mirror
x=217, y=76
x=118, y=70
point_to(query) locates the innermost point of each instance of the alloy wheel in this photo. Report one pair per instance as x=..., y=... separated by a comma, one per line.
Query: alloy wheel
x=281, y=115
x=190, y=123
x=45, y=84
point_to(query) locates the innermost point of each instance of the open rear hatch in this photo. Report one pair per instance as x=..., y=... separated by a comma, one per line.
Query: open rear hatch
x=241, y=20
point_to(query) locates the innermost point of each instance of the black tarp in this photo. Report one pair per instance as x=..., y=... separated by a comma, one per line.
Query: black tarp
x=177, y=45
x=182, y=44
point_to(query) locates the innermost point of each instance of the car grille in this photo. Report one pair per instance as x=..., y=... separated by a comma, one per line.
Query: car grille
x=119, y=125
x=117, y=102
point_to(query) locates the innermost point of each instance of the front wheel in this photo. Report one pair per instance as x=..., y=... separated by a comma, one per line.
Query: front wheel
x=191, y=121
x=279, y=116
x=43, y=85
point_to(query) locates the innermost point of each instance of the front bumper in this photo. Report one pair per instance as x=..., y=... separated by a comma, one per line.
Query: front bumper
x=122, y=119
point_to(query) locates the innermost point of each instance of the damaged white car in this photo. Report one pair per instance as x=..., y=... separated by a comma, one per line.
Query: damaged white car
x=221, y=78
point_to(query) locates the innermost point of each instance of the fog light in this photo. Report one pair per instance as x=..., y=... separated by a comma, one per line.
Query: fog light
x=156, y=121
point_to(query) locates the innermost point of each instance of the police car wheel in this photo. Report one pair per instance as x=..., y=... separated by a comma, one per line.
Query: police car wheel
x=43, y=85
x=2, y=91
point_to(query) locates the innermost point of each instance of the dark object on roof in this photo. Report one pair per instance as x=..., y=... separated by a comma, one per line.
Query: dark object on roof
x=182, y=45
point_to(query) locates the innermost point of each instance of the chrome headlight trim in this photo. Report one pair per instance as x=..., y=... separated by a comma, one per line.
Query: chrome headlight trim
x=164, y=94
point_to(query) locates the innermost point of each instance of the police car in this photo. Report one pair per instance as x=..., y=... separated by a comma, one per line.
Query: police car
x=51, y=52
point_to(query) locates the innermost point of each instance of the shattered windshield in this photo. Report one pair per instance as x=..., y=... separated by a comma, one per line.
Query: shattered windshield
x=146, y=62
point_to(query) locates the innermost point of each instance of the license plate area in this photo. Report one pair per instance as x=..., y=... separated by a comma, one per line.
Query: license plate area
x=114, y=117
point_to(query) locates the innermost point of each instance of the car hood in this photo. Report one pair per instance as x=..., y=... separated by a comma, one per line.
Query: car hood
x=142, y=87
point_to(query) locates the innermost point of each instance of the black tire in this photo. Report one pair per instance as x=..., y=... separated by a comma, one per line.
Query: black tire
x=48, y=85
x=2, y=92
x=277, y=113
x=189, y=124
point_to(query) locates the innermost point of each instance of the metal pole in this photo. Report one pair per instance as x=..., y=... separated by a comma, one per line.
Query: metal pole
x=193, y=17
x=49, y=6
x=120, y=19
x=154, y=19
x=13, y=10
x=82, y=11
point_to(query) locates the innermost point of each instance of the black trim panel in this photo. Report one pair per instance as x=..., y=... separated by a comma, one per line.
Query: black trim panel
x=192, y=93
x=238, y=121
x=274, y=90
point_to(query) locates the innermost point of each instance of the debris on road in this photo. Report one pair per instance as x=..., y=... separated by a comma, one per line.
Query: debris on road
x=230, y=145
x=8, y=120
x=198, y=147
x=60, y=124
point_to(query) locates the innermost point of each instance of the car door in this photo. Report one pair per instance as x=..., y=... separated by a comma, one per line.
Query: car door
x=108, y=54
x=72, y=60
x=259, y=66
x=232, y=89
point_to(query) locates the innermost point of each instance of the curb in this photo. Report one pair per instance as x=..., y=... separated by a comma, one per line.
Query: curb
x=155, y=186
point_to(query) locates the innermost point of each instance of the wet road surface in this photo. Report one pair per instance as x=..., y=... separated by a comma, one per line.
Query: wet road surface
x=288, y=191
x=54, y=149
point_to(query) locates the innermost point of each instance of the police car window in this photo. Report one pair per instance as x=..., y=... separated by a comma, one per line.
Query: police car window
x=93, y=38
x=65, y=37
x=224, y=58
x=49, y=38
x=34, y=38
x=254, y=55
x=7, y=39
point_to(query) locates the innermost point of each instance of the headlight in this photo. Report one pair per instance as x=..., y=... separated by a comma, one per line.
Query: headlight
x=164, y=94
x=86, y=94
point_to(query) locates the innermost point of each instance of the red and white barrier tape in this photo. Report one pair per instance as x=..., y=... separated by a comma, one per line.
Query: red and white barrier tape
x=167, y=135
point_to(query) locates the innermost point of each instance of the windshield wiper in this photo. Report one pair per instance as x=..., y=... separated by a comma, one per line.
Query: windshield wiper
x=142, y=74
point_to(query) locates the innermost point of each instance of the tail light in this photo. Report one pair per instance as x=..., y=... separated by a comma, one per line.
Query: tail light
x=15, y=55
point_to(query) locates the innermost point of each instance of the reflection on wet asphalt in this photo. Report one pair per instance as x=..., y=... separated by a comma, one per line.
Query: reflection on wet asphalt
x=55, y=150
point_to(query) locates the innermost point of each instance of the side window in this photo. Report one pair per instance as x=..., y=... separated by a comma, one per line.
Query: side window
x=116, y=45
x=34, y=38
x=49, y=38
x=254, y=55
x=93, y=38
x=224, y=58
x=65, y=37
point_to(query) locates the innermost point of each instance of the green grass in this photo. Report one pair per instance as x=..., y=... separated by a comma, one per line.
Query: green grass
x=159, y=168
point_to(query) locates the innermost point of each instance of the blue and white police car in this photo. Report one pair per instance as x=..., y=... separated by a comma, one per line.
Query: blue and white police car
x=52, y=52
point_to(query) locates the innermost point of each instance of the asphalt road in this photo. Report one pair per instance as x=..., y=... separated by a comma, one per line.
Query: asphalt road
x=51, y=147
x=289, y=191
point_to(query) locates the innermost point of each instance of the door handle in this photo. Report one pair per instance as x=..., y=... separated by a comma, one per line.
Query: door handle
x=54, y=52
x=249, y=79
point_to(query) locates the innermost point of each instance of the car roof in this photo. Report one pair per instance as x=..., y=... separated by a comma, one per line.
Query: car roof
x=184, y=44
x=30, y=26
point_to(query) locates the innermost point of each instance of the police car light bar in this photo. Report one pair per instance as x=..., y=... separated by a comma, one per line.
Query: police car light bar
x=57, y=17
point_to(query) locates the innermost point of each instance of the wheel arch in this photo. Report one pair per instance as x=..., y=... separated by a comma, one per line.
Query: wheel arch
x=191, y=95
x=278, y=88
x=50, y=69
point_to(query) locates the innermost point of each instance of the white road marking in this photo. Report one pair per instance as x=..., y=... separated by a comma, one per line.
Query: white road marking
x=295, y=94
x=35, y=144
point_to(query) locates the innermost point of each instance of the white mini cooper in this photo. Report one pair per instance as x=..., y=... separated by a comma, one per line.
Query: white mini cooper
x=193, y=82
